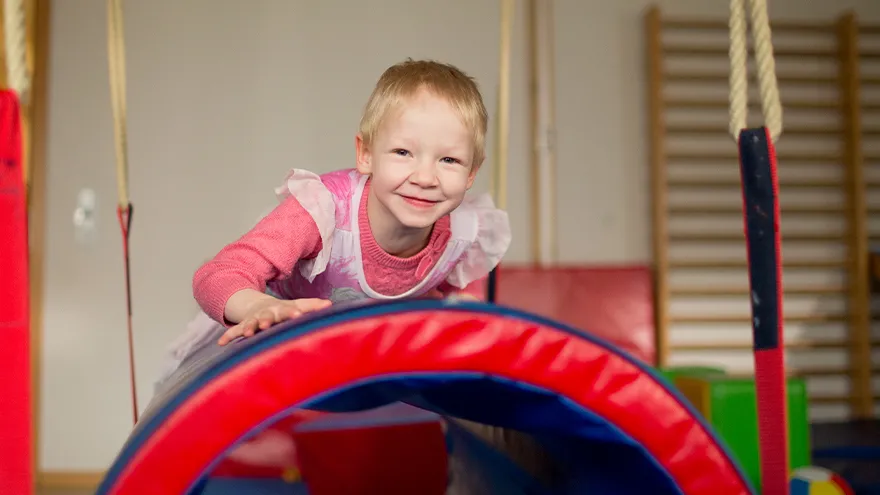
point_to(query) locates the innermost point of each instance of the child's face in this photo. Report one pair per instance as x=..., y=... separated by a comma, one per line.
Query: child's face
x=420, y=161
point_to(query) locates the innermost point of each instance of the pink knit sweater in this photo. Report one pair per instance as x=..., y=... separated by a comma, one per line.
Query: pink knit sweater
x=288, y=234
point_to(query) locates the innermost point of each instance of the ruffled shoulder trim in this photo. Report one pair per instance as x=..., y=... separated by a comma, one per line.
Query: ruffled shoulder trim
x=307, y=188
x=488, y=229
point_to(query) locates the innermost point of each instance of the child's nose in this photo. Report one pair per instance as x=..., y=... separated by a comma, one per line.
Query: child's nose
x=425, y=175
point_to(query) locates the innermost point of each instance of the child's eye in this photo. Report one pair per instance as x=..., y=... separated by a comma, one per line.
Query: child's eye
x=400, y=152
x=449, y=159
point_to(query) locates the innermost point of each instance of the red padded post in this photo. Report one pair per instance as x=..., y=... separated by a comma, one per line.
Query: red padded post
x=16, y=466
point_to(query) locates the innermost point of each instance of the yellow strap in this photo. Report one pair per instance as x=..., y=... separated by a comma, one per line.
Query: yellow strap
x=116, y=58
x=498, y=184
x=18, y=74
x=15, y=38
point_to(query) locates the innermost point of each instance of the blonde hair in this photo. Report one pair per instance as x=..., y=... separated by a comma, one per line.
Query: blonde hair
x=403, y=80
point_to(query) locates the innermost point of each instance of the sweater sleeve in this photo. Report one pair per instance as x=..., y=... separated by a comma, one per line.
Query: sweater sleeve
x=267, y=252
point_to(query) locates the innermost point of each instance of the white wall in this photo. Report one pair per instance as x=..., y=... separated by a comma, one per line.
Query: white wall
x=223, y=100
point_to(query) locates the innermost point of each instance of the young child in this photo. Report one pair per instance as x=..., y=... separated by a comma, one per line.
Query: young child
x=397, y=225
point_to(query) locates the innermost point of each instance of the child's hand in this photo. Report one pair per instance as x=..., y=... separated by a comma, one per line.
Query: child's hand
x=453, y=296
x=268, y=312
x=464, y=296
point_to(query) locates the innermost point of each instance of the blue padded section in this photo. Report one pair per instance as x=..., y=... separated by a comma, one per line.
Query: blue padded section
x=257, y=486
x=488, y=471
x=867, y=452
x=591, y=450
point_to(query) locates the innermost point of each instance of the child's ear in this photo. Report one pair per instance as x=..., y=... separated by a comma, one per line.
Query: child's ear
x=363, y=157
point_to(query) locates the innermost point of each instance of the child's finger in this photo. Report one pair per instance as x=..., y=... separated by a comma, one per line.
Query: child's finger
x=293, y=313
x=277, y=314
x=230, y=334
x=249, y=327
x=266, y=319
x=306, y=305
x=434, y=294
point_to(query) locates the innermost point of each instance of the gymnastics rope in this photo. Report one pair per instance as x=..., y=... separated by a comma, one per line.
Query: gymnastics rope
x=124, y=209
x=498, y=179
x=771, y=105
x=17, y=73
x=14, y=29
x=760, y=187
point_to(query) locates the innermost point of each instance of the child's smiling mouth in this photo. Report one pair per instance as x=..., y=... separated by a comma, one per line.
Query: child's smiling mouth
x=419, y=202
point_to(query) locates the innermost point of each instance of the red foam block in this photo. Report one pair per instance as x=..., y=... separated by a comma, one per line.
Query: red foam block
x=404, y=436
x=271, y=453
x=615, y=303
x=393, y=460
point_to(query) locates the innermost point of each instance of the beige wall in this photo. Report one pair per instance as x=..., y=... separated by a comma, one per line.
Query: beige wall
x=223, y=100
